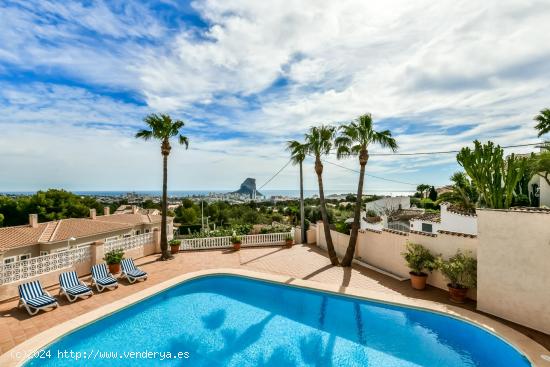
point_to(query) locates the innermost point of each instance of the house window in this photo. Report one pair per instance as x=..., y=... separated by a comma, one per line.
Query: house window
x=137, y=233
x=426, y=227
x=147, y=230
x=127, y=235
x=114, y=238
x=9, y=260
x=44, y=253
x=24, y=257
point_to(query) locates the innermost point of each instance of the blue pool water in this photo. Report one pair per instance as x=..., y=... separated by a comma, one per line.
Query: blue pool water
x=233, y=321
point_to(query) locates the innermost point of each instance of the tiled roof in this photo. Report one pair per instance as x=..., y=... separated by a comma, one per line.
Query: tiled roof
x=457, y=234
x=429, y=217
x=20, y=236
x=458, y=210
x=130, y=218
x=394, y=231
x=54, y=231
x=84, y=227
x=530, y=209
x=429, y=234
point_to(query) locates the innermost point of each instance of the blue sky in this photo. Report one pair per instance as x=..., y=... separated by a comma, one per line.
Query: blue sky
x=76, y=79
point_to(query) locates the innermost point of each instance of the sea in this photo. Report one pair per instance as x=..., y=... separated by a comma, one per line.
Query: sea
x=196, y=193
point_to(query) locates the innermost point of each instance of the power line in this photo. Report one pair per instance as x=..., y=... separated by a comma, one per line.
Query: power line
x=449, y=151
x=368, y=174
x=275, y=175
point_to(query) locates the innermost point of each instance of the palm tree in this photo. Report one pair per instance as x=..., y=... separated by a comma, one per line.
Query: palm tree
x=319, y=142
x=354, y=140
x=463, y=193
x=298, y=153
x=162, y=128
x=543, y=122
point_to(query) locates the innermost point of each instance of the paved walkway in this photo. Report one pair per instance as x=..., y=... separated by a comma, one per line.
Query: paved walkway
x=305, y=262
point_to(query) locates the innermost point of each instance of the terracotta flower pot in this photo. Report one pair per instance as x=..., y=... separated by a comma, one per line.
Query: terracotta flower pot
x=458, y=295
x=418, y=281
x=288, y=243
x=114, y=268
x=236, y=246
x=174, y=249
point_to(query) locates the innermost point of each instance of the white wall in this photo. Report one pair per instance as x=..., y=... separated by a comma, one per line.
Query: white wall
x=449, y=221
x=455, y=222
x=416, y=225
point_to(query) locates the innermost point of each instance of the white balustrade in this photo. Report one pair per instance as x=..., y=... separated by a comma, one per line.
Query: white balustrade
x=129, y=242
x=268, y=239
x=34, y=266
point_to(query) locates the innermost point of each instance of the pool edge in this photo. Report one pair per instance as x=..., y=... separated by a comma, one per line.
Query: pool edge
x=526, y=346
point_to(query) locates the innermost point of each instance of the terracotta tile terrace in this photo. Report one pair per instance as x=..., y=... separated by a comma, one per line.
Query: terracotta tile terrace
x=300, y=261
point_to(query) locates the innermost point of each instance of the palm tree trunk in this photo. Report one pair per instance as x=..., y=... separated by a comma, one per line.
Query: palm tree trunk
x=330, y=246
x=302, y=218
x=350, y=251
x=163, y=235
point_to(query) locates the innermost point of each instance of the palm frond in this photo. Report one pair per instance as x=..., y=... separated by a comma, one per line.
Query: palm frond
x=144, y=134
x=183, y=140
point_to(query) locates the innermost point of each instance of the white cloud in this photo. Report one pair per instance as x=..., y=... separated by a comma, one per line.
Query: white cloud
x=438, y=74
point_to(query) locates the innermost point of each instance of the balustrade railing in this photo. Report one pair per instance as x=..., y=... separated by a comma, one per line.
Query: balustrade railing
x=34, y=266
x=268, y=239
x=129, y=242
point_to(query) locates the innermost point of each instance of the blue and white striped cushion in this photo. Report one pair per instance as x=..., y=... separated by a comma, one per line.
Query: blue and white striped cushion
x=100, y=271
x=127, y=265
x=78, y=289
x=136, y=273
x=69, y=279
x=41, y=301
x=31, y=290
x=106, y=280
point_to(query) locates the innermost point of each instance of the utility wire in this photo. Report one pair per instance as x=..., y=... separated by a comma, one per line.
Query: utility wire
x=448, y=151
x=391, y=154
x=368, y=174
x=275, y=175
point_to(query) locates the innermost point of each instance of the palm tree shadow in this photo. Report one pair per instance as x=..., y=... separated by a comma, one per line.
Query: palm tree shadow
x=279, y=358
x=315, y=352
x=214, y=319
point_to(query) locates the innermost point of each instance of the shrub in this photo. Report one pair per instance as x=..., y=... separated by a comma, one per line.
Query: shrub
x=236, y=239
x=289, y=237
x=371, y=213
x=342, y=227
x=460, y=269
x=174, y=242
x=114, y=257
x=418, y=258
x=428, y=204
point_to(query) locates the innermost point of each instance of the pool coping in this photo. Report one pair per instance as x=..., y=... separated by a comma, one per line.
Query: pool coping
x=528, y=347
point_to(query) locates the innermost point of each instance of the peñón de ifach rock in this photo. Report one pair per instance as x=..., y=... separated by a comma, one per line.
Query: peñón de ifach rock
x=248, y=187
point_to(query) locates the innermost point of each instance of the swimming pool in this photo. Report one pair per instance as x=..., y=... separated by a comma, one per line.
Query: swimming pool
x=223, y=320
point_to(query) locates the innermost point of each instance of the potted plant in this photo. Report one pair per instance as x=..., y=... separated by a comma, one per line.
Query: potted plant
x=461, y=270
x=418, y=259
x=174, y=246
x=113, y=259
x=236, y=241
x=289, y=240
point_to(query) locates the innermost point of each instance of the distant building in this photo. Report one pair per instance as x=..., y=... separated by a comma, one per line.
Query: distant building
x=451, y=219
x=38, y=239
x=134, y=209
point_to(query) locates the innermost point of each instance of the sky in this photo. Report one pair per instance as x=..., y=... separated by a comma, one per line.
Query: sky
x=77, y=79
